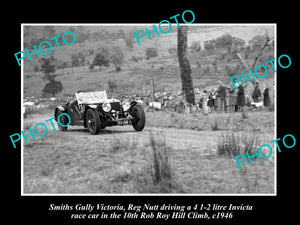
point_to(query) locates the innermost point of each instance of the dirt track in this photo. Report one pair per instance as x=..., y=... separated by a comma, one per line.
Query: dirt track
x=176, y=138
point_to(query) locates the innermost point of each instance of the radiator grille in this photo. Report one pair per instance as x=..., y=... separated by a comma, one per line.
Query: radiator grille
x=115, y=106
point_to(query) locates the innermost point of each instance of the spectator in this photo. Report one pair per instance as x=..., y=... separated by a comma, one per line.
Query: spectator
x=221, y=94
x=240, y=96
x=233, y=98
x=210, y=102
x=227, y=98
x=266, y=96
x=256, y=95
x=204, y=103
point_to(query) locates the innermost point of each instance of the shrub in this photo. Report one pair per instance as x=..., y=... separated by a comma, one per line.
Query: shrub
x=118, y=143
x=52, y=87
x=118, y=69
x=151, y=52
x=172, y=51
x=100, y=60
x=27, y=125
x=195, y=47
x=231, y=144
x=161, y=166
x=129, y=42
x=135, y=59
x=209, y=45
x=158, y=175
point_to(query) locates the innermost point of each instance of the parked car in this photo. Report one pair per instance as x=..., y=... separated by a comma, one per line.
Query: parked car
x=95, y=111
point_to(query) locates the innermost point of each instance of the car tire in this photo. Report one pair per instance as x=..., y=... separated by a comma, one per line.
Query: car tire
x=93, y=122
x=63, y=120
x=139, y=119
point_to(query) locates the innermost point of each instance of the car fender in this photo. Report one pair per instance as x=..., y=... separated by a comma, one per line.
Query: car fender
x=133, y=103
x=61, y=108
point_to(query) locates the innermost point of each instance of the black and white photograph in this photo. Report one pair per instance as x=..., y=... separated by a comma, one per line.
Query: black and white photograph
x=150, y=113
x=133, y=109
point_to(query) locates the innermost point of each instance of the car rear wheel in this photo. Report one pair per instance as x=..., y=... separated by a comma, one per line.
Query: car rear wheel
x=139, y=119
x=93, y=121
x=63, y=120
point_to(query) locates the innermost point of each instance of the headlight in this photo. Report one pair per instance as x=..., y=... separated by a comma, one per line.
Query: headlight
x=125, y=105
x=106, y=106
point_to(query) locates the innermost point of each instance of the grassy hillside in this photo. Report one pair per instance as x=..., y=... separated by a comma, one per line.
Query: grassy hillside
x=137, y=76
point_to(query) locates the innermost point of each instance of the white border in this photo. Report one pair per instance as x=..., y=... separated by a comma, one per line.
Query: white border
x=148, y=24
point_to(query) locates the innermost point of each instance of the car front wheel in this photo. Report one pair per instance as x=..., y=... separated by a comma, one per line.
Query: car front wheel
x=138, y=118
x=93, y=121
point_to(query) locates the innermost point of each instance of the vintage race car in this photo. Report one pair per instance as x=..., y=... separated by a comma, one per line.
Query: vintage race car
x=95, y=111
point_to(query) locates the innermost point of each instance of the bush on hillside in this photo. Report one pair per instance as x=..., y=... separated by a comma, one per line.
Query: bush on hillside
x=151, y=53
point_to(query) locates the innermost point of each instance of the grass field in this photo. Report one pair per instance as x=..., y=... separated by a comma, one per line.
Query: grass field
x=160, y=159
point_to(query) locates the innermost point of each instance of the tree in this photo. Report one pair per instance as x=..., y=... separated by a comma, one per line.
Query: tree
x=78, y=59
x=184, y=64
x=105, y=51
x=75, y=60
x=129, y=42
x=64, y=65
x=116, y=56
x=50, y=30
x=151, y=53
x=172, y=51
x=100, y=60
x=258, y=41
x=263, y=43
x=36, y=68
x=53, y=87
x=209, y=45
x=229, y=42
x=48, y=67
x=195, y=47
x=238, y=43
x=121, y=34
x=266, y=43
x=112, y=85
x=91, y=51
x=225, y=41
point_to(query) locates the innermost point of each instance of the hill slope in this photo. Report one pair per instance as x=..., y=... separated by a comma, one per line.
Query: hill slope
x=137, y=76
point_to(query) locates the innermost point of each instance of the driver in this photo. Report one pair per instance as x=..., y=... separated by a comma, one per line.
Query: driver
x=74, y=102
x=74, y=107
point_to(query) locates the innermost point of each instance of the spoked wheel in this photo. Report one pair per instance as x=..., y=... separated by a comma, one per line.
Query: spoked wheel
x=139, y=119
x=93, y=121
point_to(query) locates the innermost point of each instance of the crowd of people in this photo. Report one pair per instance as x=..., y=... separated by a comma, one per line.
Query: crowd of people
x=222, y=98
x=228, y=99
